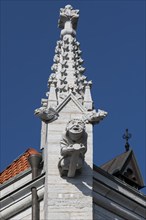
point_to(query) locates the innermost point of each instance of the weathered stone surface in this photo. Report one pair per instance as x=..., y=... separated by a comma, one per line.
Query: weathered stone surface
x=67, y=195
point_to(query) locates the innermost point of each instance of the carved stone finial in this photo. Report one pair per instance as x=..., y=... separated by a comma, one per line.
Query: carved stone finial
x=68, y=14
x=73, y=148
x=68, y=20
x=67, y=70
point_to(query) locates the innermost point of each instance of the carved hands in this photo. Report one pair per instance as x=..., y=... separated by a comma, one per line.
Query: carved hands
x=71, y=148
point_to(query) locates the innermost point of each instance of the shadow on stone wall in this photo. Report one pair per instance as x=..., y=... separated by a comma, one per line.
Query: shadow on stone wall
x=83, y=181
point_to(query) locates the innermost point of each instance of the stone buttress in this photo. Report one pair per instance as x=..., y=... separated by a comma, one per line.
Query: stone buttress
x=68, y=112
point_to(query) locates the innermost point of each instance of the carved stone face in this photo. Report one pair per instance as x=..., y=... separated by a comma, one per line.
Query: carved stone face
x=75, y=128
x=39, y=111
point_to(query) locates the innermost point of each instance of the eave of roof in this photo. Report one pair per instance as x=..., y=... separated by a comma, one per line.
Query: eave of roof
x=17, y=166
x=99, y=170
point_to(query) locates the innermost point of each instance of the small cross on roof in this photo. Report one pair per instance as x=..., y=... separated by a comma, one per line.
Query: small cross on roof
x=127, y=136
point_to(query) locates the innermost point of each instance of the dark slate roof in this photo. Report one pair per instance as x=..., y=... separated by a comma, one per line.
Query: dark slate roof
x=116, y=163
x=126, y=168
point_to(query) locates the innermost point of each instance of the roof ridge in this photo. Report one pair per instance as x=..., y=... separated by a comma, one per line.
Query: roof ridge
x=111, y=161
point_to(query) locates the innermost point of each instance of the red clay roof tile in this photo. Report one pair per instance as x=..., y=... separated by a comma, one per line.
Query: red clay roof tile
x=17, y=166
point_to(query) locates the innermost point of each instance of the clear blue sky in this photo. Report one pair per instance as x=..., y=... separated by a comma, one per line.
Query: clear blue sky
x=112, y=37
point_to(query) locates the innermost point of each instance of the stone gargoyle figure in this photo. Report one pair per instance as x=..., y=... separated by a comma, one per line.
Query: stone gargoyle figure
x=94, y=117
x=73, y=148
x=46, y=115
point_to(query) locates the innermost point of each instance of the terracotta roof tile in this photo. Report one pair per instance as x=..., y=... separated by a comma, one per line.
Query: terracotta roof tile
x=17, y=166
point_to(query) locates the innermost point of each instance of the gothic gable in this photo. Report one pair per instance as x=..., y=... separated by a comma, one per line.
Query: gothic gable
x=125, y=167
x=71, y=104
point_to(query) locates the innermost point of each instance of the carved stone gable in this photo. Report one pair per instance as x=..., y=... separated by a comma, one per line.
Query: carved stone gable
x=70, y=104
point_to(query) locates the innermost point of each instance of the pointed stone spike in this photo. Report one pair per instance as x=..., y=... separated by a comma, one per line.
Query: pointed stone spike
x=88, y=103
x=52, y=99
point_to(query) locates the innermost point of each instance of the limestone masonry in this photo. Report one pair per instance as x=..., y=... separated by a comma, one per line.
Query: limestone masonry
x=67, y=122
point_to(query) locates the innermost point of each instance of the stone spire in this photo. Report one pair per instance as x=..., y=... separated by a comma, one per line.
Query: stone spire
x=67, y=80
x=67, y=129
x=67, y=70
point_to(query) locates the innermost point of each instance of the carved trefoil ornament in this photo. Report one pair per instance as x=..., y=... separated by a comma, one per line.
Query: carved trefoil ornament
x=73, y=147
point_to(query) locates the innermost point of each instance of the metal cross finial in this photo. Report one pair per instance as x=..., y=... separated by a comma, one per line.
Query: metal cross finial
x=127, y=136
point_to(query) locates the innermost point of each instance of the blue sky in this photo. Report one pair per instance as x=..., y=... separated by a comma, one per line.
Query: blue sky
x=112, y=37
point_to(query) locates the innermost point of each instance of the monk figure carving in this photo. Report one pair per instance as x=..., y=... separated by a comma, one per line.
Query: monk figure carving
x=73, y=148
